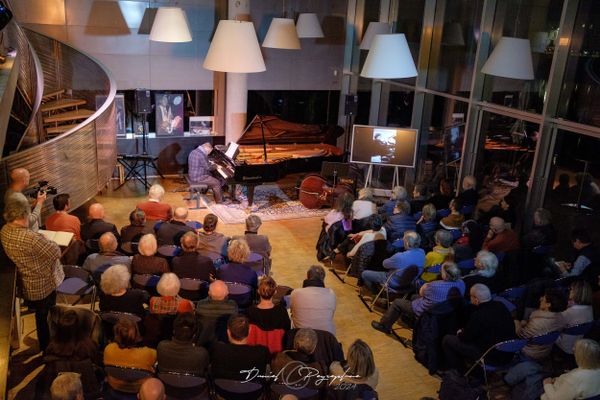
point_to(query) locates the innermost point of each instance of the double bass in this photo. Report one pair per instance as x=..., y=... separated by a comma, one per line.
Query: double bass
x=314, y=191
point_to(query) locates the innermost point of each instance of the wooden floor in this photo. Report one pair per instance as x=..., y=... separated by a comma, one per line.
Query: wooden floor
x=293, y=242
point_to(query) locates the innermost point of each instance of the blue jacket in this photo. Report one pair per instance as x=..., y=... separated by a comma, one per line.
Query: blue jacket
x=397, y=224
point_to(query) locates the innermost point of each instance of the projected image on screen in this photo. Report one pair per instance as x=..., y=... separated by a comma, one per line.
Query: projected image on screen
x=383, y=145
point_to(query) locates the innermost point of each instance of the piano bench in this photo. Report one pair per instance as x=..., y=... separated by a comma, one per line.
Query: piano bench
x=197, y=191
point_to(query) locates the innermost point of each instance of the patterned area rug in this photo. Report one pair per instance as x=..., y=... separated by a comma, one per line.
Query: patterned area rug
x=272, y=202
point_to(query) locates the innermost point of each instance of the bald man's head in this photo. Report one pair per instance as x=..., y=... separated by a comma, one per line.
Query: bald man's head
x=96, y=211
x=497, y=224
x=218, y=290
x=152, y=389
x=107, y=243
x=180, y=214
x=19, y=179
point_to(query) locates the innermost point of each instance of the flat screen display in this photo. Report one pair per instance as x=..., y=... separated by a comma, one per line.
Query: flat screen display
x=383, y=145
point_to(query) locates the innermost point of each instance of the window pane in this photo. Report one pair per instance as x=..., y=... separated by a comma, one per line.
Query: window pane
x=453, y=49
x=526, y=19
x=580, y=97
x=410, y=22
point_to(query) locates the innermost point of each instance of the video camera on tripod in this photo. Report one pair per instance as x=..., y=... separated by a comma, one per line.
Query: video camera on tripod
x=42, y=187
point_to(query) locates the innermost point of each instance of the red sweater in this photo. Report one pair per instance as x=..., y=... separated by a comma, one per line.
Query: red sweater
x=156, y=211
x=65, y=223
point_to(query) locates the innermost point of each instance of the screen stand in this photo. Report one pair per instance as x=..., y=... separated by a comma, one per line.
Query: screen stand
x=382, y=192
x=369, y=176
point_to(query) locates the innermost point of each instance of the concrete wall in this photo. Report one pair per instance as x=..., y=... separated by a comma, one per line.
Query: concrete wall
x=108, y=30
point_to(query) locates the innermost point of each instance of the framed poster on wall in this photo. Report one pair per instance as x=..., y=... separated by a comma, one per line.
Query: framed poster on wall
x=201, y=126
x=169, y=114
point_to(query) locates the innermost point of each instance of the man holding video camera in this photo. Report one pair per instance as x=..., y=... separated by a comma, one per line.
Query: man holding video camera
x=19, y=180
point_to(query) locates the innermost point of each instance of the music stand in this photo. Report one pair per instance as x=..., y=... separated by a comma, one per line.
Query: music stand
x=137, y=165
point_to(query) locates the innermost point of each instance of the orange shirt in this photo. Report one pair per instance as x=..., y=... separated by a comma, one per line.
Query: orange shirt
x=136, y=357
x=156, y=211
x=60, y=221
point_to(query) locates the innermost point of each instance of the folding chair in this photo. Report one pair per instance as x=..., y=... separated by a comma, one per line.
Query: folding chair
x=543, y=249
x=147, y=282
x=579, y=329
x=77, y=282
x=129, y=248
x=513, y=346
x=466, y=266
x=127, y=374
x=467, y=210
x=406, y=281
x=231, y=389
x=545, y=339
x=169, y=250
x=257, y=263
x=300, y=392
x=443, y=213
x=193, y=289
x=240, y=293
x=181, y=385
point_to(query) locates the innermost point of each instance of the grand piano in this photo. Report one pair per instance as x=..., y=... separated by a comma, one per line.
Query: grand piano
x=289, y=147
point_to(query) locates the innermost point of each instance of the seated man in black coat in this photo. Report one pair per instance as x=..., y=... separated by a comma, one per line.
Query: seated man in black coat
x=172, y=231
x=489, y=324
x=229, y=360
x=96, y=225
x=190, y=264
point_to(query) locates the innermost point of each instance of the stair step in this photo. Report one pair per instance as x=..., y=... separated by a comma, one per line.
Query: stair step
x=54, y=130
x=61, y=103
x=49, y=96
x=74, y=115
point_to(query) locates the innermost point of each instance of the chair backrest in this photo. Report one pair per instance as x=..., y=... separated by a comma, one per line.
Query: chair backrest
x=596, y=397
x=300, y=392
x=467, y=210
x=146, y=280
x=511, y=346
x=112, y=317
x=514, y=292
x=169, y=250
x=127, y=374
x=237, y=387
x=443, y=213
x=92, y=245
x=240, y=293
x=466, y=265
x=97, y=274
x=256, y=262
x=193, y=289
x=74, y=271
x=407, y=276
x=579, y=329
x=543, y=249
x=456, y=233
x=544, y=339
x=181, y=380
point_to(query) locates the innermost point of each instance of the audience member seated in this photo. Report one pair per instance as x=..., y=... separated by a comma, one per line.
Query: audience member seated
x=313, y=305
x=67, y=386
x=61, y=220
x=376, y=232
x=117, y=295
x=180, y=354
x=211, y=243
x=71, y=349
x=469, y=195
x=547, y=318
x=258, y=243
x=169, y=301
x=341, y=212
x=96, y=226
x=442, y=251
x=146, y=262
x=579, y=311
x=430, y=294
x=152, y=389
x=580, y=383
x=364, y=206
x=469, y=244
x=586, y=255
x=441, y=200
x=455, y=219
x=488, y=324
x=560, y=193
x=123, y=352
x=290, y=363
x=542, y=233
x=426, y=225
x=399, y=222
x=493, y=203
x=236, y=270
x=268, y=322
x=190, y=264
x=419, y=198
x=500, y=238
x=213, y=312
x=359, y=370
x=229, y=359
x=399, y=194
x=486, y=264
x=138, y=226
x=170, y=233
x=153, y=208
x=413, y=255
x=107, y=256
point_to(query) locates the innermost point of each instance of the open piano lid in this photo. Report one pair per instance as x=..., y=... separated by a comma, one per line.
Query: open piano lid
x=280, y=131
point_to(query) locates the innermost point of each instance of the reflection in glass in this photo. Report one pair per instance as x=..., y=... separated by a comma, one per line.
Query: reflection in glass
x=580, y=97
x=410, y=22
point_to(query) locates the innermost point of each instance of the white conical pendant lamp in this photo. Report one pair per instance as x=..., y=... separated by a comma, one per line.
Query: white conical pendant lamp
x=308, y=26
x=389, y=58
x=234, y=48
x=170, y=25
x=511, y=58
x=282, y=35
x=374, y=29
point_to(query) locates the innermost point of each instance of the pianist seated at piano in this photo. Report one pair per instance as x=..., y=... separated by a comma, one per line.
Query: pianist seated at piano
x=200, y=170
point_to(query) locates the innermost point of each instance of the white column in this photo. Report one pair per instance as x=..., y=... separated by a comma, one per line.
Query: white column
x=236, y=92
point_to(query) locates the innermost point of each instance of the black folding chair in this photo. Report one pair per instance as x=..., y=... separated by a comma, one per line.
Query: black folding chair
x=78, y=282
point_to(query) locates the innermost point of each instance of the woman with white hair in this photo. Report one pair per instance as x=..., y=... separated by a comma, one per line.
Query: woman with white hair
x=581, y=383
x=117, y=295
x=169, y=301
x=364, y=206
x=146, y=262
x=237, y=269
x=154, y=209
x=486, y=264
